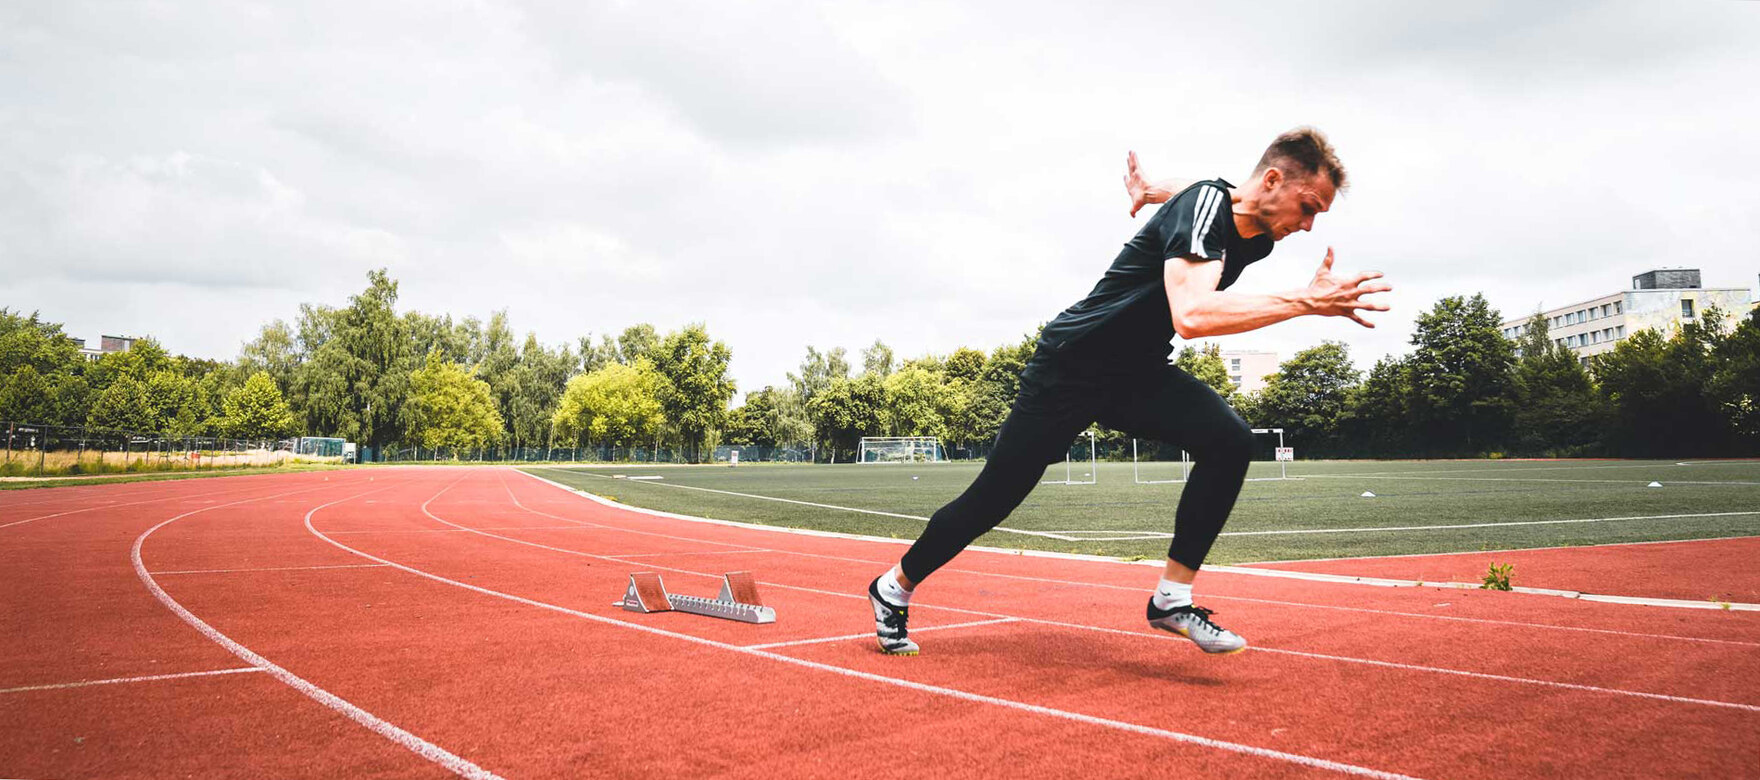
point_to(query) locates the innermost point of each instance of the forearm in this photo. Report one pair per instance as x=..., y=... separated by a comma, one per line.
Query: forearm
x=1218, y=313
x=1164, y=190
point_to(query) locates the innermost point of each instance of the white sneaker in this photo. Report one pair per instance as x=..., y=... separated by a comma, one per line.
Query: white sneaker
x=1193, y=622
x=889, y=624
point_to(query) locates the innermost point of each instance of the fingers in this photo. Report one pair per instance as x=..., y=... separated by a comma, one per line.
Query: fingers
x=1326, y=265
x=1360, y=321
x=1369, y=289
x=1130, y=162
x=1364, y=277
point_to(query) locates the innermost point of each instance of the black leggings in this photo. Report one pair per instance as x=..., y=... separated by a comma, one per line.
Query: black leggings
x=1056, y=403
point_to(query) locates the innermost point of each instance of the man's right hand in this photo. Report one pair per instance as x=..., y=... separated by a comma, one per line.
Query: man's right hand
x=1341, y=296
x=1144, y=192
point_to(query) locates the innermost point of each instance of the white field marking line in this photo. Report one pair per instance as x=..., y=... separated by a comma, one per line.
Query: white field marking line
x=147, y=678
x=1498, y=552
x=1630, y=482
x=413, y=743
x=1456, y=526
x=831, y=506
x=1438, y=670
x=114, y=506
x=869, y=635
x=954, y=693
x=602, y=527
x=270, y=568
x=1514, y=469
x=1336, y=579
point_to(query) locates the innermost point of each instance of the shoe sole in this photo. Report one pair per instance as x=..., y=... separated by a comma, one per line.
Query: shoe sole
x=1187, y=637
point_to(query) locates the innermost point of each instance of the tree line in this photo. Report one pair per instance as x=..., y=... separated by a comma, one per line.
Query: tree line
x=394, y=380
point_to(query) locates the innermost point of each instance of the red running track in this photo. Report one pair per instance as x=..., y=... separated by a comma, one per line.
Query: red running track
x=430, y=621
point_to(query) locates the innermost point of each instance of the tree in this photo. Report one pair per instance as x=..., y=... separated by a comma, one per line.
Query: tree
x=917, y=401
x=877, y=359
x=24, y=396
x=847, y=410
x=29, y=341
x=699, y=388
x=450, y=409
x=356, y=378
x=1556, y=409
x=1376, y=419
x=256, y=410
x=1460, y=373
x=122, y=406
x=616, y=404
x=1307, y=396
x=1657, y=391
x=1205, y=362
x=1734, y=387
x=636, y=342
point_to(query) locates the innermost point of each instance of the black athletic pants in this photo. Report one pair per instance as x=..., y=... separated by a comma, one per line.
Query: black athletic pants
x=1057, y=401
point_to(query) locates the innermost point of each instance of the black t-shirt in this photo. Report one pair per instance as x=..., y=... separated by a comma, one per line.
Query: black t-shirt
x=1125, y=320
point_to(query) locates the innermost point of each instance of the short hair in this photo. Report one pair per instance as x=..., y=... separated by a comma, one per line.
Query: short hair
x=1304, y=151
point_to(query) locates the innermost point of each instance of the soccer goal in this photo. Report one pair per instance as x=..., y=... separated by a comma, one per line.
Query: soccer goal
x=900, y=449
x=1070, y=459
x=1282, y=455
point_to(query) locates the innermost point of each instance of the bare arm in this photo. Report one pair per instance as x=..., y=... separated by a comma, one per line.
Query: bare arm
x=1143, y=191
x=1200, y=310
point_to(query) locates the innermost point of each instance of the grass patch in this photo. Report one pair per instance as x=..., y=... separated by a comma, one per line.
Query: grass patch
x=163, y=476
x=1497, y=578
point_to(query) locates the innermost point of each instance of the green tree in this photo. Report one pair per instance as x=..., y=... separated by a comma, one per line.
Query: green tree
x=917, y=402
x=450, y=409
x=1461, y=379
x=29, y=341
x=877, y=359
x=256, y=410
x=1205, y=362
x=1557, y=411
x=1656, y=391
x=616, y=404
x=1308, y=395
x=1377, y=414
x=1734, y=387
x=695, y=368
x=356, y=379
x=24, y=396
x=847, y=410
x=122, y=406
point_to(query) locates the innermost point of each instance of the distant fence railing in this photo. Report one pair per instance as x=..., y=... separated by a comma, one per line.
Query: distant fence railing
x=33, y=449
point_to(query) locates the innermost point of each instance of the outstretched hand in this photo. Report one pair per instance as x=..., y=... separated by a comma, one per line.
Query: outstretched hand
x=1341, y=296
x=1135, y=183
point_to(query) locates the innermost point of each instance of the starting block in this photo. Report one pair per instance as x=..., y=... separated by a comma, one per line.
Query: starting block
x=738, y=599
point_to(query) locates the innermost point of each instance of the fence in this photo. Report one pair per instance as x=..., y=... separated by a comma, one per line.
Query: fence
x=59, y=450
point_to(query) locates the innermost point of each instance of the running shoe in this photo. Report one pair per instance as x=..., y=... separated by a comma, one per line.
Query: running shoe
x=1193, y=622
x=889, y=624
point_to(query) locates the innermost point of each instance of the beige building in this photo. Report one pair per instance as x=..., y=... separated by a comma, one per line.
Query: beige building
x=1247, y=368
x=1659, y=300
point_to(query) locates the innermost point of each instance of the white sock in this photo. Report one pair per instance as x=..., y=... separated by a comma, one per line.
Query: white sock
x=1170, y=594
x=893, y=592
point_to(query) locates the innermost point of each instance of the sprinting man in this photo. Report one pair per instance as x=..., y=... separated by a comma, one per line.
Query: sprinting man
x=1105, y=360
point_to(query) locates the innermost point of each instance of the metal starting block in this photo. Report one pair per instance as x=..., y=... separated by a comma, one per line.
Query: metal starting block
x=738, y=599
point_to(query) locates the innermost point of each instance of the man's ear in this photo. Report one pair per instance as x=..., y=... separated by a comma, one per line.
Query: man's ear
x=1273, y=177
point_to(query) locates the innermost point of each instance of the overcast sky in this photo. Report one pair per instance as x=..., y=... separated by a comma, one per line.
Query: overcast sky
x=809, y=173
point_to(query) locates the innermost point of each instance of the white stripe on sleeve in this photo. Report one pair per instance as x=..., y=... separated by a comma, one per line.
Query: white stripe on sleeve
x=1204, y=214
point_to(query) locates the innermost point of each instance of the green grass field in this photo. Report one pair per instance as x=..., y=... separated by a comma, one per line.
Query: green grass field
x=1320, y=515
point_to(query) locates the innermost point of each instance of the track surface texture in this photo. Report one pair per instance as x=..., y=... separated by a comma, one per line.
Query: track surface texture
x=426, y=622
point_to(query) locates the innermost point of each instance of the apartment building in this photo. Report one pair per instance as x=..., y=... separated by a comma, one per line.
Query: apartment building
x=1659, y=300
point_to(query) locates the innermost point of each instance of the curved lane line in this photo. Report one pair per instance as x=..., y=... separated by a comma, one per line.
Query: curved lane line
x=413, y=743
x=1233, y=747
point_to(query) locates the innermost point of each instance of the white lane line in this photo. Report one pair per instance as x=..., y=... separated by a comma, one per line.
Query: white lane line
x=455, y=530
x=981, y=613
x=870, y=634
x=1627, y=482
x=703, y=552
x=413, y=743
x=270, y=568
x=920, y=518
x=1150, y=731
x=116, y=506
x=1457, y=526
x=1046, y=554
x=115, y=681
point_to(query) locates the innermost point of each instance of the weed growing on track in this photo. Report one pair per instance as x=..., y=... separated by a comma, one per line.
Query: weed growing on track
x=1498, y=577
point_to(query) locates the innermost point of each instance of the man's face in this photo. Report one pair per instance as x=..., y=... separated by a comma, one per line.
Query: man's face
x=1290, y=204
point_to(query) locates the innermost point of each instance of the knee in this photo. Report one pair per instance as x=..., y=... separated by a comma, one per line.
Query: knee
x=1232, y=442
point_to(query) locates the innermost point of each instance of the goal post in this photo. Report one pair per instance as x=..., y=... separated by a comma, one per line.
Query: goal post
x=1282, y=455
x=1069, y=459
x=900, y=449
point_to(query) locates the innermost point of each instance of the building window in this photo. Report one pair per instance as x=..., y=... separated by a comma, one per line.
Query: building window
x=1236, y=379
x=1616, y=307
x=1621, y=331
x=1234, y=364
x=1686, y=308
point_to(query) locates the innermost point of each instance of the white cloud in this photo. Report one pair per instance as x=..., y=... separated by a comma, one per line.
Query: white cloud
x=798, y=174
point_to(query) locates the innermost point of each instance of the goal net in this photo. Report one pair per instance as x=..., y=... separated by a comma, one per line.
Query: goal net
x=900, y=449
x=1156, y=464
x=1081, y=459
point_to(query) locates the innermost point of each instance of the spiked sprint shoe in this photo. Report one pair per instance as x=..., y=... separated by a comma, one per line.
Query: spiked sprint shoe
x=889, y=624
x=1194, y=623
